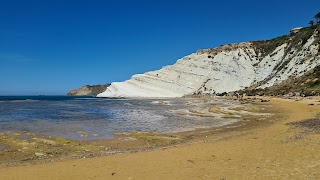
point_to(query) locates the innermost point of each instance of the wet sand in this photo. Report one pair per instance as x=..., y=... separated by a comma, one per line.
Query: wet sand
x=259, y=150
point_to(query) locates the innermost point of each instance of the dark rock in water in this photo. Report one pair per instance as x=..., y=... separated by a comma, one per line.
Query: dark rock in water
x=88, y=90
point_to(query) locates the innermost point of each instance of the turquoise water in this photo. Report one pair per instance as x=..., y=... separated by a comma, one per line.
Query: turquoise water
x=65, y=116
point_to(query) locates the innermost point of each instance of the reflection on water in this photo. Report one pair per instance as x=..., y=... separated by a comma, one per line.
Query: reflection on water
x=67, y=117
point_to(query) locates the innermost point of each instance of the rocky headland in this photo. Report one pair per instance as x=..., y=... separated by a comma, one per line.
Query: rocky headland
x=88, y=90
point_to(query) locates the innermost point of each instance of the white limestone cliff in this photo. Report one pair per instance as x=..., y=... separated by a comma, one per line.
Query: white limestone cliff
x=224, y=69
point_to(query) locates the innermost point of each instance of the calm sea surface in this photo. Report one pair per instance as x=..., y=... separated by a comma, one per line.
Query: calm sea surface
x=68, y=117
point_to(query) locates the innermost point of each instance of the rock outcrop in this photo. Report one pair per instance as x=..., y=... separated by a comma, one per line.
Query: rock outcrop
x=88, y=90
x=228, y=68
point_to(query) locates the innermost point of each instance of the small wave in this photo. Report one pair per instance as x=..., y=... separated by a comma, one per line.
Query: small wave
x=161, y=102
x=18, y=101
x=31, y=100
x=84, y=98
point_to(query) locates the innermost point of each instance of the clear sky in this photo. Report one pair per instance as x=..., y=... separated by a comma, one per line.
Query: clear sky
x=51, y=46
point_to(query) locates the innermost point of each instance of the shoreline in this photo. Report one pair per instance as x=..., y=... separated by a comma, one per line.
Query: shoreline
x=30, y=148
x=266, y=144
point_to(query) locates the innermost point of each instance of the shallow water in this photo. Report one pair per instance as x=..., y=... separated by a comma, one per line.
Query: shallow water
x=2, y=147
x=70, y=117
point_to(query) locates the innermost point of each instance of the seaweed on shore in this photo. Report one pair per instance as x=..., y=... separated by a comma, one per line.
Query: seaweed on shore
x=311, y=126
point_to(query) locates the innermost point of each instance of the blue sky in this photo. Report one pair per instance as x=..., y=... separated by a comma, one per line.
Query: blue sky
x=51, y=46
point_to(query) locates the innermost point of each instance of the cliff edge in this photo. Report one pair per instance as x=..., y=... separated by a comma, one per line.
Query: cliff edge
x=228, y=68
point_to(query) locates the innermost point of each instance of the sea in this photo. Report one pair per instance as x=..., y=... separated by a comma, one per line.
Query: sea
x=72, y=116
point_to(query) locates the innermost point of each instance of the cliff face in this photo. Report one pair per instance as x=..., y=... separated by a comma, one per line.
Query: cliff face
x=232, y=67
x=88, y=90
x=308, y=84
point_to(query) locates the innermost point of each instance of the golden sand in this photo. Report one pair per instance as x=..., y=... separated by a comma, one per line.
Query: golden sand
x=261, y=152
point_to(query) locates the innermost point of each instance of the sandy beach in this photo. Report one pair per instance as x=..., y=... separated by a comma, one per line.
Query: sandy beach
x=274, y=150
